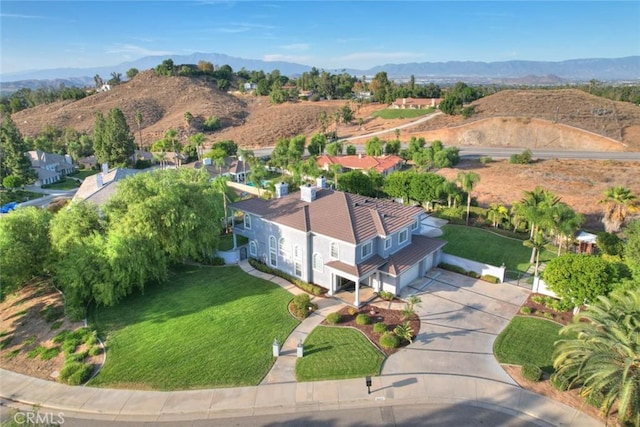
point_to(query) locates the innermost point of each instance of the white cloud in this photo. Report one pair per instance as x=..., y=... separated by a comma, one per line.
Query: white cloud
x=295, y=46
x=129, y=49
x=17, y=15
x=301, y=59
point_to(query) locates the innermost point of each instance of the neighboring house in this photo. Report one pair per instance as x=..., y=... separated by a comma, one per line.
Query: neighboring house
x=383, y=165
x=415, y=103
x=99, y=188
x=338, y=240
x=363, y=96
x=586, y=242
x=235, y=168
x=50, y=167
x=88, y=162
x=142, y=156
x=239, y=169
x=250, y=87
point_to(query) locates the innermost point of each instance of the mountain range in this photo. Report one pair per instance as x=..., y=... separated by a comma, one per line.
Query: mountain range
x=574, y=70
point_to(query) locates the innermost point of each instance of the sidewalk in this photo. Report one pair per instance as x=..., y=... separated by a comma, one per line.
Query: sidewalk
x=279, y=393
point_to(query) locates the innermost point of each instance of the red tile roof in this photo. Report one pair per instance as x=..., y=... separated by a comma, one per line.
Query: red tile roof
x=360, y=161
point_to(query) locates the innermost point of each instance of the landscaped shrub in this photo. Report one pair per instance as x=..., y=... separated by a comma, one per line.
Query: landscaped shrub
x=525, y=310
x=531, y=372
x=451, y=267
x=379, y=328
x=485, y=159
x=307, y=287
x=389, y=340
x=363, y=319
x=77, y=357
x=523, y=158
x=387, y=296
x=404, y=332
x=538, y=299
x=595, y=398
x=75, y=373
x=301, y=304
x=95, y=350
x=489, y=278
x=334, y=318
x=214, y=260
x=547, y=315
x=473, y=274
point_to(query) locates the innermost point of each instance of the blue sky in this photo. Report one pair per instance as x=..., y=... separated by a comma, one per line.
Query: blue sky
x=327, y=34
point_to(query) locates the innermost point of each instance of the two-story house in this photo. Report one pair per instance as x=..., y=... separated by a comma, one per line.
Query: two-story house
x=336, y=239
x=50, y=167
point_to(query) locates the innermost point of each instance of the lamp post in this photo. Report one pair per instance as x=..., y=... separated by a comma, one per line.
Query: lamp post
x=368, y=382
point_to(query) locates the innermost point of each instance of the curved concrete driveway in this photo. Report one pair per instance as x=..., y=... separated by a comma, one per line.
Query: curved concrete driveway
x=460, y=319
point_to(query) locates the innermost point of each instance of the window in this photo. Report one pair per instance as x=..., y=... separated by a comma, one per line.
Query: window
x=317, y=262
x=253, y=248
x=366, y=249
x=273, y=254
x=282, y=247
x=335, y=250
x=247, y=221
x=297, y=252
x=387, y=243
x=414, y=225
x=403, y=236
x=297, y=268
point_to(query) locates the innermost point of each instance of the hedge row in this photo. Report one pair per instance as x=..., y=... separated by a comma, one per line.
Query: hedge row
x=305, y=286
x=456, y=269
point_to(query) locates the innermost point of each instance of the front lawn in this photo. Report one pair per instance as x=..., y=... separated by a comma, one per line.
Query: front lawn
x=226, y=242
x=335, y=353
x=204, y=327
x=82, y=174
x=397, y=113
x=528, y=341
x=483, y=246
x=64, y=184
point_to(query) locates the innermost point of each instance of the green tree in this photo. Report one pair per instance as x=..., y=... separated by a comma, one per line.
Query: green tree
x=356, y=182
x=537, y=242
x=131, y=73
x=601, y=354
x=230, y=147
x=497, y=213
x=536, y=208
x=451, y=104
x=398, y=185
x=618, y=202
x=112, y=139
x=564, y=222
x=317, y=144
x=13, y=160
x=346, y=114
x=374, y=147
x=334, y=148
x=425, y=188
x=24, y=246
x=139, y=121
x=632, y=248
x=468, y=181
x=579, y=278
x=351, y=150
x=11, y=182
x=610, y=243
x=392, y=147
x=220, y=186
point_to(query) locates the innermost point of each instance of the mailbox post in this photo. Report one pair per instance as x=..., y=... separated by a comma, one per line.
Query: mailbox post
x=368, y=382
x=276, y=347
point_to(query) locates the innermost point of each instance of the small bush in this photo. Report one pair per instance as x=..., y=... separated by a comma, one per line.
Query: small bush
x=485, y=160
x=531, y=372
x=560, y=382
x=56, y=325
x=334, y=318
x=75, y=373
x=77, y=357
x=352, y=311
x=12, y=354
x=363, y=319
x=389, y=340
x=387, y=296
x=523, y=158
x=489, y=278
x=538, y=299
x=525, y=310
x=301, y=304
x=547, y=315
x=451, y=267
x=95, y=350
x=52, y=313
x=50, y=353
x=379, y=328
x=473, y=274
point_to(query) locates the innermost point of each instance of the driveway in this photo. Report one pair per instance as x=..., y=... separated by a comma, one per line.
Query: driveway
x=460, y=320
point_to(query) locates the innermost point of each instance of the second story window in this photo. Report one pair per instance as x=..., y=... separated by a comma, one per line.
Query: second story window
x=282, y=247
x=335, y=250
x=414, y=226
x=247, y=221
x=403, y=236
x=387, y=243
x=367, y=248
x=253, y=248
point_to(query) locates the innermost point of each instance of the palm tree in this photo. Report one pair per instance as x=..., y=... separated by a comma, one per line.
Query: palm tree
x=468, y=181
x=139, y=123
x=537, y=242
x=618, y=203
x=497, y=213
x=564, y=223
x=604, y=356
x=536, y=207
x=452, y=191
x=220, y=184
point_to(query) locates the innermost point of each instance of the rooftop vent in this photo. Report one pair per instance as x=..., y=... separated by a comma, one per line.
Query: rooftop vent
x=282, y=189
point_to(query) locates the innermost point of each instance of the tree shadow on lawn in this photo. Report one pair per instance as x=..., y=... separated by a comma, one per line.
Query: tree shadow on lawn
x=311, y=349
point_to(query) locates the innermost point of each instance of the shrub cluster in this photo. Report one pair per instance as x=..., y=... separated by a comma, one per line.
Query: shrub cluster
x=489, y=278
x=75, y=373
x=387, y=296
x=301, y=305
x=523, y=158
x=379, y=328
x=305, y=286
x=525, y=310
x=560, y=382
x=531, y=372
x=334, y=318
x=460, y=270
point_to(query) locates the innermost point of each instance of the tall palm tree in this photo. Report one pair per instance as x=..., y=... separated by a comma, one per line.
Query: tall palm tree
x=220, y=184
x=564, y=222
x=604, y=356
x=618, y=203
x=451, y=190
x=139, y=123
x=537, y=242
x=536, y=208
x=497, y=213
x=468, y=181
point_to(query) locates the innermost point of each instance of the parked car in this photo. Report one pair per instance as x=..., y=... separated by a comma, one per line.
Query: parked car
x=8, y=207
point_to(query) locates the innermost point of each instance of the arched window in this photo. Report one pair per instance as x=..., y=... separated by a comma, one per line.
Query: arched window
x=253, y=248
x=273, y=252
x=282, y=247
x=335, y=250
x=317, y=262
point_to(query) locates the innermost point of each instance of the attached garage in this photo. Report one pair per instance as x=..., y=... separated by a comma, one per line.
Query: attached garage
x=409, y=276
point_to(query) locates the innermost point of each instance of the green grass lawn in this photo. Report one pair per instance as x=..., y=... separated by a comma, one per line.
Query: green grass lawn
x=336, y=353
x=483, y=246
x=393, y=113
x=64, y=184
x=527, y=340
x=82, y=174
x=226, y=242
x=204, y=327
x=17, y=196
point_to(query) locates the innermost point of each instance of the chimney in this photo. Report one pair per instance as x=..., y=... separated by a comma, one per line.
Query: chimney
x=321, y=182
x=308, y=193
x=105, y=168
x=99, y=182
x=282, y=189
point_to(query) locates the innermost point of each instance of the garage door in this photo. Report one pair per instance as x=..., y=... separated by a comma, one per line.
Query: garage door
x=409, y=276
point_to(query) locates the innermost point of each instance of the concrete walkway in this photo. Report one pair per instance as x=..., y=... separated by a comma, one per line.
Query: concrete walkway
x=279, y=393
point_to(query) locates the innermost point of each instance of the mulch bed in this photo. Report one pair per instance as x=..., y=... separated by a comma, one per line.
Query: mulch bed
x=539, y=310
x=391, y=318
